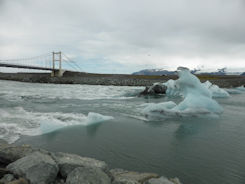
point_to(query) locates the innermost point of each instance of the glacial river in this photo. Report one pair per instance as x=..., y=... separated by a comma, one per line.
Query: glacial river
x=106, y=122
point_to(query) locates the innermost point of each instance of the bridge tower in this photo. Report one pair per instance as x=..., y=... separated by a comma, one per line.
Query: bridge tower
x=57, y=58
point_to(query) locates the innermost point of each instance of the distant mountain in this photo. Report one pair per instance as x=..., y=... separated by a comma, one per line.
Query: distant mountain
x=159, y=72
x=222, y=71
x=154, y=72
x=212, y=73
x=243, y=74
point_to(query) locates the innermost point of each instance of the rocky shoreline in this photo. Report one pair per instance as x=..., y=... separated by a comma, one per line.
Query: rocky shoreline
x=115, y=79
x=24, y=164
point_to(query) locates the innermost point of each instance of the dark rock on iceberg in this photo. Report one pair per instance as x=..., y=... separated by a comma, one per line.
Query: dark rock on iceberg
x=155, y=89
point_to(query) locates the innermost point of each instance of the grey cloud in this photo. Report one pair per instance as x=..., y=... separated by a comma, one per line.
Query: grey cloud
x=116, y=30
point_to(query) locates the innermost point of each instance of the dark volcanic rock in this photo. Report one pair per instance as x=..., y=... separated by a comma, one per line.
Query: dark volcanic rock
x=155, y=89
x=36, y=167
x=87, y=175
x=68, y=162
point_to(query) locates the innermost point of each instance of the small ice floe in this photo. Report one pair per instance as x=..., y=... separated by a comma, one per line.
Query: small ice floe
x=240, y=88
x=96, y=118
x=197, y=97
x=173, y=89
x=215, y=90
x=17, y=121
x=170, y=88
x=237, y=90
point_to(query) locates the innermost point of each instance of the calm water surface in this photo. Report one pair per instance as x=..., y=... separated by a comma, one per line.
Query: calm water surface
x=196, y=150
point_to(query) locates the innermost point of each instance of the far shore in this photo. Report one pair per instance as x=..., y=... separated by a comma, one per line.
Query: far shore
x=227, y=81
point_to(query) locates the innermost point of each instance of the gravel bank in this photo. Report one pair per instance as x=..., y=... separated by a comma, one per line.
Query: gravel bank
x=115, y=79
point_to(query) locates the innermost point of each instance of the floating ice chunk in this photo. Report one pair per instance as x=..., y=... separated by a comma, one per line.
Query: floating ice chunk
x=152, y=107
x=174, y=87
x=65, y=120
x=189, y=83
x=241, y=88
x=199, y=103
x=186, y=83
x=96, y=118
x=15, y=122
x=237, y=90
x=215, y=90
x=197, y=97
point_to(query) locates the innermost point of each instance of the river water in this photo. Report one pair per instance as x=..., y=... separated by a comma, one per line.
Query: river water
x=106, y=122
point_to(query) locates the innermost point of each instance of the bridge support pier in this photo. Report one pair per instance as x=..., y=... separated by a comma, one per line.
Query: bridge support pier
x=57, y=73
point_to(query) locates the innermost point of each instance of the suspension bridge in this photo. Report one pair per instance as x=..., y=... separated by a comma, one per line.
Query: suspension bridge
x=56, y=62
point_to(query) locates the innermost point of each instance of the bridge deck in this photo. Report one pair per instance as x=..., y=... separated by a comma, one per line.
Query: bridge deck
x=25, y=66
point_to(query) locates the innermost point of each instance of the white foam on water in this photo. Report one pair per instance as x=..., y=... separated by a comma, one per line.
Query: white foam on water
x=17, y=91
x=9, y=132
x=197, y=98
x=15, y=122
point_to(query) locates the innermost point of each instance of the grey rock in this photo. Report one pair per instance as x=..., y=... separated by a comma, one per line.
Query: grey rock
x=59, y=181
x=3, y=171
x=163, y=180
x=129, y=177
x=10, y=153
x=7, y=178
x=175, y=180
x=3, y=142
x=87, y=175
x=36, y=167
x=68, y=162
x=19, y=181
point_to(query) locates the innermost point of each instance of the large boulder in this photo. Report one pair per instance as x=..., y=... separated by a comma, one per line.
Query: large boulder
x=68, y=162
x=155, y=89
x=10, y=153
x=87, y=175
x=129, y=177
x=37, y=167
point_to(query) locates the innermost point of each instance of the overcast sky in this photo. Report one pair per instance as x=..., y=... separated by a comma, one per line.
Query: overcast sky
x=123, y=36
